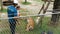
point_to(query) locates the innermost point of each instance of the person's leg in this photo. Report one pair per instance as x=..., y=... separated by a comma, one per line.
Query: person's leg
x=12, y=27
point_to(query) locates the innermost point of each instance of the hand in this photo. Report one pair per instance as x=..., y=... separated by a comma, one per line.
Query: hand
x=19, y=14
x=16, y=18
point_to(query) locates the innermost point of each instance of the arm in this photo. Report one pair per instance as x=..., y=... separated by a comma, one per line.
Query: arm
x=15, y=14
x=18, y=13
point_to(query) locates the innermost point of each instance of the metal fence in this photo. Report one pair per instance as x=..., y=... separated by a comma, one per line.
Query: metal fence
x=21, y=26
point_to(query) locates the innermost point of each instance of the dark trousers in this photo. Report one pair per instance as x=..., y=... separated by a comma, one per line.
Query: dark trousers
x=12, y=26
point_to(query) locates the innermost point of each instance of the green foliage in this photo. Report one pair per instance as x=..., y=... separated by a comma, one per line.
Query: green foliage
x=4, y=10
x=26, y=3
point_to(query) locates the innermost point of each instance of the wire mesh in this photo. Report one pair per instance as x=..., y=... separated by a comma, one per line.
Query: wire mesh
x=22, y=24
x=21, y=27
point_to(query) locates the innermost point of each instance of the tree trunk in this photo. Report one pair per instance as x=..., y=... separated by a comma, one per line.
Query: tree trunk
x=25, y=1
x=56, y=8
x=9, y=0
x=1, y=6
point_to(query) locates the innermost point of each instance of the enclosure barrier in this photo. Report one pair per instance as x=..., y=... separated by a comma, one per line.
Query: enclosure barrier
x=21, y=27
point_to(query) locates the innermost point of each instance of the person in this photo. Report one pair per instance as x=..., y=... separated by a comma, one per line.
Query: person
x=12, y=12
x=50, y=32
x=43, y=32
x=18, y=8
x=18, y=14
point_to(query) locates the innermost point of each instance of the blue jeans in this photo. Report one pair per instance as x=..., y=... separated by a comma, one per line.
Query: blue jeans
x=12, y=25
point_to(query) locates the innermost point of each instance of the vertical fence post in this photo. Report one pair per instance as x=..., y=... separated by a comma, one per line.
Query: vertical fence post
x=9, y=0
x=25, y=1
x=1, y=5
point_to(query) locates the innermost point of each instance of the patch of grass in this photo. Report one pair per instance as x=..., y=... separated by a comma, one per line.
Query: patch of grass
x=37, y=30
x=26, y=3
x=4, y=10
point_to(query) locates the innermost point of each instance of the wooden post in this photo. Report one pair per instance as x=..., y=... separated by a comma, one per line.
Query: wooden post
x=9, y=0
x=1, y=5
x=44, y=11
x=25, y=1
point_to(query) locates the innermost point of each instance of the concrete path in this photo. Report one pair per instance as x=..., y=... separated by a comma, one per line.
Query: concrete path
x=35, y=6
